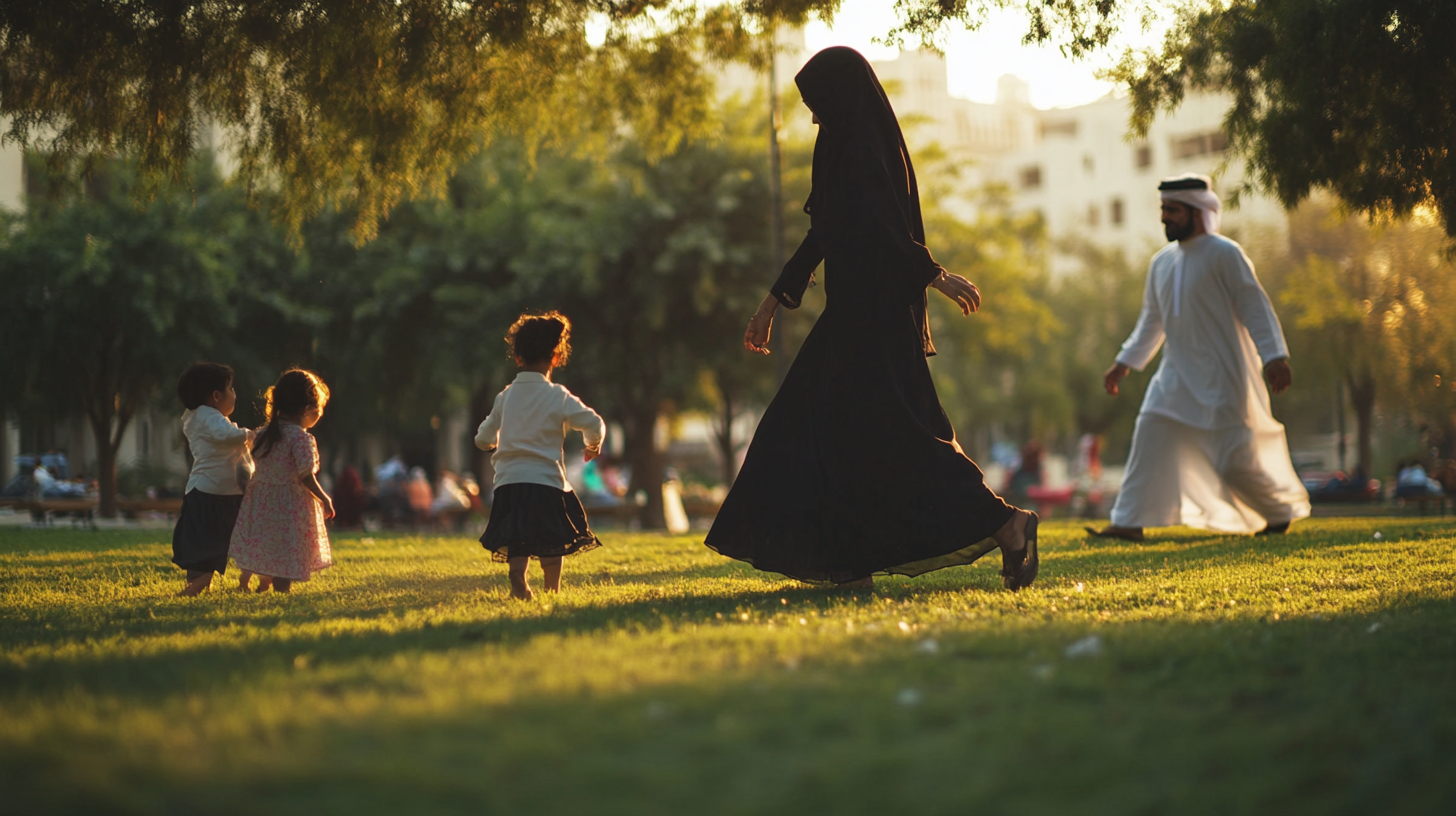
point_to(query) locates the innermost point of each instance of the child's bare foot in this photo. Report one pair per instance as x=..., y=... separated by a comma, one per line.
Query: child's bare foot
x=196, y=586
x=264, y=583
x=245, y=581
x=520, y=590
x=551, y=569
x=520, y=582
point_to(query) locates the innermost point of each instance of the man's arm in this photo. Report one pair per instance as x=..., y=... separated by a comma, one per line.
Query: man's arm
x=1256, y=312
x=1146, y=338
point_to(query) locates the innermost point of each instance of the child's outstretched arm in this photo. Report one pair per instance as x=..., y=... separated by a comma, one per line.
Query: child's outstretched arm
x=224, y=431
x=488, y=435
x=593, y=428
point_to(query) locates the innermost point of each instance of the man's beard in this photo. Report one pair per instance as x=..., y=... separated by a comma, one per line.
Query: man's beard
x=1177, y=233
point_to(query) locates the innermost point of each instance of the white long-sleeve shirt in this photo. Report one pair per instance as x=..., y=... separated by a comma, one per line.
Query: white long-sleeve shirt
x=527, y=427
x=1203, y=298
x=220, y=451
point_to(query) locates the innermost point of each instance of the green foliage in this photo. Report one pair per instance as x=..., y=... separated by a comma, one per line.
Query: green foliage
x=1348, y=95
x=1303, y=674
x=356, y=105
x=111, y=301
x=1364, y=308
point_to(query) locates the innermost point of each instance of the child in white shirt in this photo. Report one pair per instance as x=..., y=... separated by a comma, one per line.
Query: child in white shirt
x=221, y=466
x=535, y=513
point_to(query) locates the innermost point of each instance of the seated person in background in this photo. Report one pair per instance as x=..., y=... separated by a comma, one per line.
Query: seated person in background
x=349, y=499
x=1412, y=482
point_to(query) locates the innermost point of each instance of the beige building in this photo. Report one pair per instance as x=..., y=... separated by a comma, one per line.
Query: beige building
x=1076, y=166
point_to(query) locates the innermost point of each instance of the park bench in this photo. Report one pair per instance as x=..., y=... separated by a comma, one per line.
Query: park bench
x=45, y=510
x=131, y=507
x=1423, y=504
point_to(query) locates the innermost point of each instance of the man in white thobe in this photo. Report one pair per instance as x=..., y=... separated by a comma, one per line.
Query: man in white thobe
x=1206, y=451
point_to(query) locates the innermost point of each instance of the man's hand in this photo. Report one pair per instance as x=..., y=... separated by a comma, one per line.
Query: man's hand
x=1113, y=377
x=589, y=454
x=963, y=292
x=1278, y=375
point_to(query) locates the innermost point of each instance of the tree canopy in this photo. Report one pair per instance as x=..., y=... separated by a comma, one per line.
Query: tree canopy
x=1352, y=96
x=362, y=105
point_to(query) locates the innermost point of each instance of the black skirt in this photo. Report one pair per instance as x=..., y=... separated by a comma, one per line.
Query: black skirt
x=536, y=521
x=204, y=529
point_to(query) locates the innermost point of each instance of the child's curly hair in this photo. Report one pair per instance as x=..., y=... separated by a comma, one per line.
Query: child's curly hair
x=540, y=338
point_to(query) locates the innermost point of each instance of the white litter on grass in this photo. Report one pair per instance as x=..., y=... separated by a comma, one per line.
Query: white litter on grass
x=928, y=646
x=1090, y=646
x=1080, y=587
x=1378, y=536
x=909, y=697
x=1374, y=627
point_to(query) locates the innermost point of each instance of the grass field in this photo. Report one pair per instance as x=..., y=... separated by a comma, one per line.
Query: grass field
x=1313, y=673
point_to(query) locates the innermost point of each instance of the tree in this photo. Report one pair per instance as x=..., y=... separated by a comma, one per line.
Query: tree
x=658, y=263
x=109, y=302
x=359, y=105
x=1351, y=96
x=1365, y=306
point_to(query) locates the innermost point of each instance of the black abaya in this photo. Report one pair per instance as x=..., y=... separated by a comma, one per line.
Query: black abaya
x=854, y=468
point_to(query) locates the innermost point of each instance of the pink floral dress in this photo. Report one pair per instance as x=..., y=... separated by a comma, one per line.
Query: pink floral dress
x=280, y=531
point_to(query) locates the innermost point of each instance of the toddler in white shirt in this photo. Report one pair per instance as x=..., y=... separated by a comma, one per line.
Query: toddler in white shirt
x=535, y=513
x=221, y=465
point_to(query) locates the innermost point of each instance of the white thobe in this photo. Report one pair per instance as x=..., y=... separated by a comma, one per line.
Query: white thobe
x=1207, y=452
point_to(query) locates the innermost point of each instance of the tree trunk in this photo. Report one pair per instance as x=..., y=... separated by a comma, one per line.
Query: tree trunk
x=108, y=443
x=724, y=434
x=480, y=405
x=1362, y=398
x=640, y=449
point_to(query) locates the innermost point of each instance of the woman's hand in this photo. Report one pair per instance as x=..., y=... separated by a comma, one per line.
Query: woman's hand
x=589, y=454
x=755, y=338
x=963, y=292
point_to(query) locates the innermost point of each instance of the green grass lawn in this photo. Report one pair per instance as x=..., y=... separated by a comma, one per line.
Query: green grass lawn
x=1313, y=673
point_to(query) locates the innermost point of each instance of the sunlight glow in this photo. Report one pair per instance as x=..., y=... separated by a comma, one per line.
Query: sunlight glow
x=976, y=59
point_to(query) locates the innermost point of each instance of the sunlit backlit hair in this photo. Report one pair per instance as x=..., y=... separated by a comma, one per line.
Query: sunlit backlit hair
x=539, y=338
x=295, y=392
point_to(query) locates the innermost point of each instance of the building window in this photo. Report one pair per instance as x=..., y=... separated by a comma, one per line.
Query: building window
x=1143, y=156
x=1065, y=127
x=1030, y=177
x=1199, y=145
x=1094, y=215
x=1089, y=164
x=1114, y=212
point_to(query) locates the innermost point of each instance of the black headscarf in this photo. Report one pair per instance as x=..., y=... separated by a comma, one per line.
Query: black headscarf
x=856, y=119
x=864, y=202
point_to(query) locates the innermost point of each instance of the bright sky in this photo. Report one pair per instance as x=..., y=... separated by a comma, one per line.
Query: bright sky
x=976, y=59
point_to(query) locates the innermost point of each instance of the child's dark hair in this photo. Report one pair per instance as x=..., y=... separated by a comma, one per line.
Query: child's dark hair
x=540, y=338
x=295, y=392
x=200, y=380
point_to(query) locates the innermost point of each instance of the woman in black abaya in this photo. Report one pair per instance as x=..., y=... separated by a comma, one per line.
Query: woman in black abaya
x=854, y=469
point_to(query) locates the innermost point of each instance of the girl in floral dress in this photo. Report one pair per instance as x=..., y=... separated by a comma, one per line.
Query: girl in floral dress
x=280, y=533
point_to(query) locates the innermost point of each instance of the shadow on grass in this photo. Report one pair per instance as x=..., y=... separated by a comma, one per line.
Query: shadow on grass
x=1300, y=717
